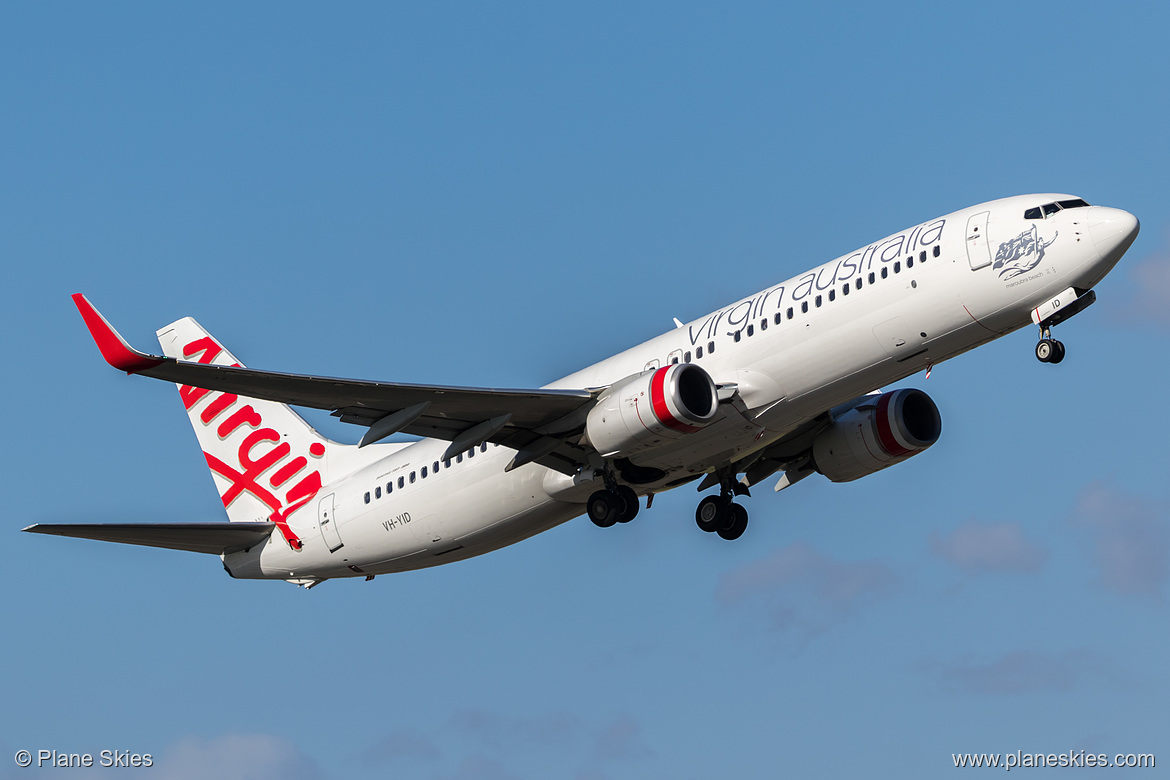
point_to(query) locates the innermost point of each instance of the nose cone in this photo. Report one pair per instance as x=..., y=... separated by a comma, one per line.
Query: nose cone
x=1112, y=230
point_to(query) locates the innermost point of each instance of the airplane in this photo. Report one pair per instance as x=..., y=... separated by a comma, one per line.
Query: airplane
x=784, y=381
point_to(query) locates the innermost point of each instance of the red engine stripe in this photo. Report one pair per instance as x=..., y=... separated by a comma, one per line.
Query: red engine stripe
x=658, y=403
x=885, y=432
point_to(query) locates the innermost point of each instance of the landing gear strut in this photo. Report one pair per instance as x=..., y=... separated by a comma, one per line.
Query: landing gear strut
x=721, y=515
x=1048, y=349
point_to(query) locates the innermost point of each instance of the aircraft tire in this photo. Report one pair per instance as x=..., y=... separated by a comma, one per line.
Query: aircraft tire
x=629, y=501
x=734, y=528
x=1057, y=352
x=603, y=508
x=711, y=513
x=1045, y=350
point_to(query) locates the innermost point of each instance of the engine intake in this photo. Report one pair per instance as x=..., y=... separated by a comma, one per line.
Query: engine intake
x=876, y=433
x=645, y=410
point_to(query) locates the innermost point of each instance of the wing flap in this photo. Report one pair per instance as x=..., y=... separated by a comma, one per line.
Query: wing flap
x=212, y=538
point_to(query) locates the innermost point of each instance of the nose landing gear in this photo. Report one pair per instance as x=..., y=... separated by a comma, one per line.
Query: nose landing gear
x=1048, y=315
x=1048, y=349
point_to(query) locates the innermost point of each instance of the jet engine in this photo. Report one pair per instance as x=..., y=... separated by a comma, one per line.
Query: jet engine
x=645, y=410
x=878, y=431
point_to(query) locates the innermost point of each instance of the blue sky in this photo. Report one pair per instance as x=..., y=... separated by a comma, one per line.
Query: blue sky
x=499, y=195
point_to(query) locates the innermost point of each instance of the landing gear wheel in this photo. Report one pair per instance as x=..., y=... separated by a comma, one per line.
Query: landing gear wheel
x=629, y=501
x=604, y=508
x=736, y=524
x=712, y=513
x=1046, y=350
x=1057, y=352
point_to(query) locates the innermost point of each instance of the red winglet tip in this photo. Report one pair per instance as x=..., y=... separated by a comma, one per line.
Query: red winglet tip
x=113, y=347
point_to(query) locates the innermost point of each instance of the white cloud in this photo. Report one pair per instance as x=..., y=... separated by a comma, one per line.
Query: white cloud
x=1148, y=299
x=494, y=728
x=805, y=591
x=980, y=548
x=480, y=767
x=402, y=745
x=621, y=739
x=1018, y=672
x=235, y=757
x=1131, y=540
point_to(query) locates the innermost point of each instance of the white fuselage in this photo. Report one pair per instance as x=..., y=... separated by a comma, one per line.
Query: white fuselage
x=793, y=351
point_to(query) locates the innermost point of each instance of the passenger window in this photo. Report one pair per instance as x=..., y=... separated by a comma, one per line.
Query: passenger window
x=459, y=458
x=367, y=496
x=401, y=482
x=389, y=487
x=751, y=330
x=412, y=477
x=845, y=289
x=898, y=267
x=483, y=447
x=687, y=356
x=857, y=284
x=937, y=251
x=737, y=336
x=471, y=452
x=698, y=352
x=804, y=307
x=378, y=492
x=885, y=273
x=833, y=295
x=922, y=256
x=764, y=324
x=710, y=347
x=424, y=472
x=788, y=313
x=435, y=467
x=909, y=262
x=674, y=361
x=777, y=318
x=447, y=463
x=871, y=277
x=818, y=301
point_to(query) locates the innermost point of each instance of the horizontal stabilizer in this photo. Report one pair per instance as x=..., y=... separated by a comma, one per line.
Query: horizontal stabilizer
x=213, y=538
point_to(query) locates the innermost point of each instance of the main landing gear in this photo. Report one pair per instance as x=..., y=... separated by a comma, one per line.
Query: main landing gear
x=720, y=514
x=615, y=504
x=1048, y=349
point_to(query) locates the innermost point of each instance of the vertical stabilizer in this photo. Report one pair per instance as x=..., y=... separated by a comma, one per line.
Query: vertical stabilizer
x=266, y=460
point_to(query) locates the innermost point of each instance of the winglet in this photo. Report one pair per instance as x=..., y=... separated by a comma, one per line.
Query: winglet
x=113, y=347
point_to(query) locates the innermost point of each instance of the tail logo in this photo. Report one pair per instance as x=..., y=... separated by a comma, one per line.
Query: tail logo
x=263, y=464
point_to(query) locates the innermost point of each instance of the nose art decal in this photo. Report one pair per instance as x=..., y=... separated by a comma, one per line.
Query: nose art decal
x=1021, y=254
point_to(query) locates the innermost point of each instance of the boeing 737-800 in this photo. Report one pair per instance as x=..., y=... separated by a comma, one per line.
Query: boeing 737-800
x=782, y=382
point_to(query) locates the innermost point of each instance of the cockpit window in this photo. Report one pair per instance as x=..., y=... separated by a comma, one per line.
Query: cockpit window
x=1048, y=209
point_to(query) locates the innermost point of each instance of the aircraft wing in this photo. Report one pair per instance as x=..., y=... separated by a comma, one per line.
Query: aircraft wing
x=213, y=538
x=539, y=424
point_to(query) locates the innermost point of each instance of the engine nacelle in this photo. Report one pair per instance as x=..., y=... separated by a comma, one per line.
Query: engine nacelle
x=878, y=432
x=645, y=410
